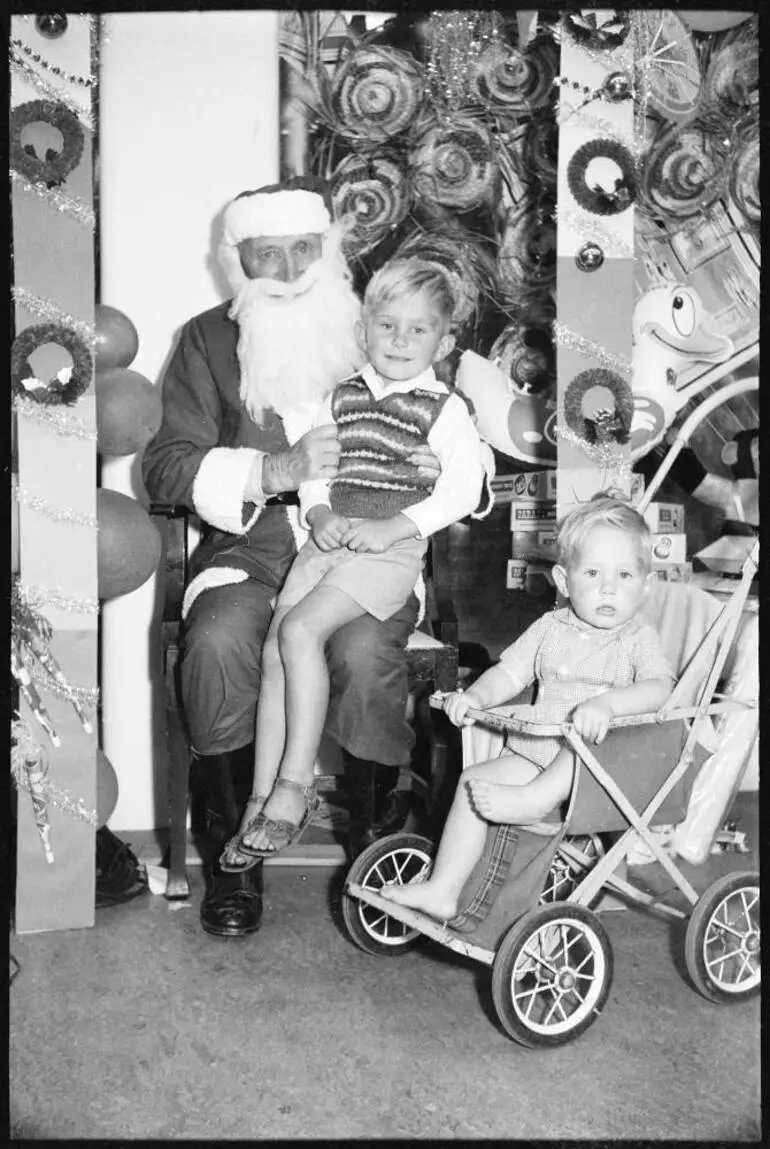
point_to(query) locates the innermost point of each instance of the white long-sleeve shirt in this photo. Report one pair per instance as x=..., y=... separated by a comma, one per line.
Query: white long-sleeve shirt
x=452, y=438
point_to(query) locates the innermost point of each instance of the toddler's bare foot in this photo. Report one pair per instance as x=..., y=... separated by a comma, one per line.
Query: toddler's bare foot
x=498, y=802
x=428, y=897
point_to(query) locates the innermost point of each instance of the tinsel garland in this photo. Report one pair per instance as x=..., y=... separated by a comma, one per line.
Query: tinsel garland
x=566, y=337
x=56, y=514
x=593, y=232
x=70, y=77
x=41, y=596
x=456, y=39
x=26, y=749
x=57, y=199
x=55, y=419
x=48, y=90
x=48, y=310
x=609, y=456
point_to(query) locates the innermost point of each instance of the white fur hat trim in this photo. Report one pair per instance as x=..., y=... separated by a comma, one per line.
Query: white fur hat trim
x=288, y=212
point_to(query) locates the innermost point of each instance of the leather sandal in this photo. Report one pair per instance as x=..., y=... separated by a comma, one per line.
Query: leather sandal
x=280, y=832
x=233, y=860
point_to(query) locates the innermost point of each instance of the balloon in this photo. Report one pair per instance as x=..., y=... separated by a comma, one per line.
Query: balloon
x=712, y=21
x=128, y=545
x=117, y=341
x=520, y=426
x=106, y=787
x=128, y=411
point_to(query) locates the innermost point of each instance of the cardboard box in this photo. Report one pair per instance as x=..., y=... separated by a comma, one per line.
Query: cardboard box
x=665, y=518
x=525, y=485
x=532, y=513
x=516, y=574
x=669, y=548
x=673, y=572
x=534, y=544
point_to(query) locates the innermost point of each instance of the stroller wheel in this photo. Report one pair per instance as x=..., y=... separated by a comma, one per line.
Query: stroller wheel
x=722, y=942
x=567, y=869
x=551, y=975
x=394, y=860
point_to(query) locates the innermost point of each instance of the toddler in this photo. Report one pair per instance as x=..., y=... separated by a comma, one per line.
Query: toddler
x=593, y=660
x=369, y=528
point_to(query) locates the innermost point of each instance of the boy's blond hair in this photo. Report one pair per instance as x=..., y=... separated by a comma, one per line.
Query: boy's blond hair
x=406, y=276
x=603, y=511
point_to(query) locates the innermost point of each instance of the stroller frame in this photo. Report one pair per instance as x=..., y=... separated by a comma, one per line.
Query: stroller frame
x=714, y=648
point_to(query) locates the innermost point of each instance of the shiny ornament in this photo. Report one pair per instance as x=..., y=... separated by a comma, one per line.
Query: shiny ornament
x=52, y=25
x=129, y=544
x=616, y=87
x=117, y=341
x=129, y=411
x=590, y=257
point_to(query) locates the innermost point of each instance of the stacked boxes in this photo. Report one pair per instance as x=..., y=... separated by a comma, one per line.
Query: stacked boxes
x=669, y=542
x=533, y=530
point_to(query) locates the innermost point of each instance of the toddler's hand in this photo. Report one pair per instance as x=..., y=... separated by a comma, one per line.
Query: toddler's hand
x=591, y=719
x=370, y=536
x=456, y=706
x=328, y=530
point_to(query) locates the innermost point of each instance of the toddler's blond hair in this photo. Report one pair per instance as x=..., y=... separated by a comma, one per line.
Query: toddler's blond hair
x=603, y=511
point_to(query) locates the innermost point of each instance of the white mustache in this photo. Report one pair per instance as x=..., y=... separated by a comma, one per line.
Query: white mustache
x=278, y=289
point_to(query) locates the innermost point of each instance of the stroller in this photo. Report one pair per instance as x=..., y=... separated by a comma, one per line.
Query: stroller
x=526, y=908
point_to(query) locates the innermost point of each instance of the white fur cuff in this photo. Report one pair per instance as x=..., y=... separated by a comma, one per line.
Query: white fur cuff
x=281, y=213
x=219, y=488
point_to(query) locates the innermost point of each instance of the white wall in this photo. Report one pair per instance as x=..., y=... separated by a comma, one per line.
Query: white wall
x=188, y=118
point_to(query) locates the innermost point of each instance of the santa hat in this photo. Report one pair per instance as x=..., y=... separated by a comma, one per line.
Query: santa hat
x=297, y=207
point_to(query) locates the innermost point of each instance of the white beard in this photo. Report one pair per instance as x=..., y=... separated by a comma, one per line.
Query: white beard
x=297, y=340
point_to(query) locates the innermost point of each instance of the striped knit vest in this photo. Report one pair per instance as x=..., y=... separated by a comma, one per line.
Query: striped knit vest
x=376, y=436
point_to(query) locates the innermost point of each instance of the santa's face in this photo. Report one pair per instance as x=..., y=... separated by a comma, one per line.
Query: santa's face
x=298, y=318
x=283, y=258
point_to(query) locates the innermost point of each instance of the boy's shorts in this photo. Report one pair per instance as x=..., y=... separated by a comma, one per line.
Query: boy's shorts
x=380, y=584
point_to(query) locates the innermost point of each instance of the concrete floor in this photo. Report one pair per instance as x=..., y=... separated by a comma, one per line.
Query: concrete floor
x=144, y=1027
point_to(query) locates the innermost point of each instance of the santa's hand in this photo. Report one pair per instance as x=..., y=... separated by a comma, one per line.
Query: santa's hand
x=328, y=530
x=426, y=462
x=315, y=456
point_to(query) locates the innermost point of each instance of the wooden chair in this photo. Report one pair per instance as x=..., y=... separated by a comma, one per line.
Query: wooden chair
x=433, y=665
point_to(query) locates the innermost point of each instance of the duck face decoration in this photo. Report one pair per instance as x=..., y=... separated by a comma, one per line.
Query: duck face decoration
x=671, y=329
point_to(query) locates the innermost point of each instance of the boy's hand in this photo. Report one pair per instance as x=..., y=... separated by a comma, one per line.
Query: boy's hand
x=373, y=536
x=591, y=719
x=456, y=706
x=327, y=529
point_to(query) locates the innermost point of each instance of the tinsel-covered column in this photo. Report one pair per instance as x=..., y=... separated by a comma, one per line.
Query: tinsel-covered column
x=55, y=603
x=597, y=186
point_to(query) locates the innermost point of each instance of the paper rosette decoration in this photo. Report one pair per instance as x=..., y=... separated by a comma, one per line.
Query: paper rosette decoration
x=469, y=265
x=684, y=173
x=526, y=256
x=514, y=83
x=524, y=352
x=539, y=150
x=376, y=94
x=732, y=77
x=744, y=179
x=370, y=191
x=453, y=164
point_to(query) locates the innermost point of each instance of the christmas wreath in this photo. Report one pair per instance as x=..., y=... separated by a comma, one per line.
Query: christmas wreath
x=56, y=166
x=598, y=29
x=604, y=424
x=596, y=199
x=69, y=384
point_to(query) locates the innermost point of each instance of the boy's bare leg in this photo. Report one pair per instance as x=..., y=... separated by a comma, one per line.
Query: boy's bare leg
x=462, y=841
x=520, y=805
x=302, y=637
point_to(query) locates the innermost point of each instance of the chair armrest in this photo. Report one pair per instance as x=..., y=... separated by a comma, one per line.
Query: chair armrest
x=174, y=518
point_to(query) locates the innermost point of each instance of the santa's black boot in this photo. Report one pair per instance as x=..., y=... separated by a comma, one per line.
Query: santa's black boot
x=220, y=785
x=375, y=807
